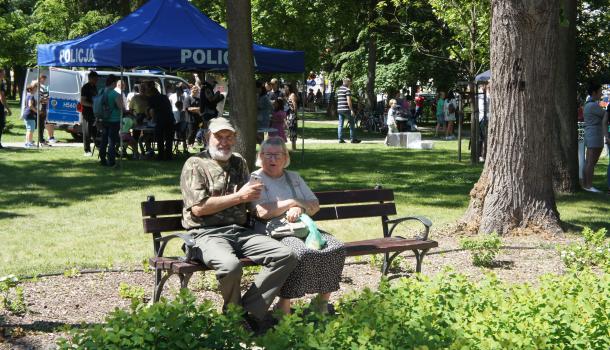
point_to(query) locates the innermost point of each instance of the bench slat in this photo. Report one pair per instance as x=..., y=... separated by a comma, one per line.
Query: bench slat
x=168, y=207
x=386, y=245
x=355, y=196
x=355, y=211
x=164, y=224
x=178, y=266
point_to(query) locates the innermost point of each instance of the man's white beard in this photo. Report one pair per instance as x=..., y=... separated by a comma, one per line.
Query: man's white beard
x=221, y=155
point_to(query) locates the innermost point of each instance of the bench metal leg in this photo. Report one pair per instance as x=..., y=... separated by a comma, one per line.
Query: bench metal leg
x=184, y=279
x=387, y=262
x=419, y=257
x=160, y=279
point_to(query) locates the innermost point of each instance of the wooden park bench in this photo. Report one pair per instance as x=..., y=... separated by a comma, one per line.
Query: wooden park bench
x=161, y=217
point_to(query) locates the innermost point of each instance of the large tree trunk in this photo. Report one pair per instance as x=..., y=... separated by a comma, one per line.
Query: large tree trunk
x=241, y=77
x=565, y=149
x=515, y=191
x=371, y=97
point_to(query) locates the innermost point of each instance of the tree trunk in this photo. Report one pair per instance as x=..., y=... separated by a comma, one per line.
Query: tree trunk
x=565, y=148
x=371, y=97
x=515, y=191
x=241, y=77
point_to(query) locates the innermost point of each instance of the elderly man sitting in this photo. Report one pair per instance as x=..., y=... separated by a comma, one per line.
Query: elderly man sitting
x=215, y=188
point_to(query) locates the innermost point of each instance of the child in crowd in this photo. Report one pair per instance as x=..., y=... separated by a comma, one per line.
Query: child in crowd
x=278, y=119
x=29, y=114
x=128, y=123
x=393, y=112
x=181, y=125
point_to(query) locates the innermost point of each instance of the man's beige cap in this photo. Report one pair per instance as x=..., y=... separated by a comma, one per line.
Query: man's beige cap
x=220, y=123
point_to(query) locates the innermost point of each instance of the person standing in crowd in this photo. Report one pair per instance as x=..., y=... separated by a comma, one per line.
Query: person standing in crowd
x=263, y=111
x=419, y=107
x=4, y=110
x=440, y=113
x=209, y=99
x=192, y=106
x=29, y=114
x=275, y=91
x=278, y=119
x=42, y=101
x=160, y=111
x=291, y=115
x=346, y=111
x=393, y=112
x=216, y=190
x=594, y=134
x=110, y=123
x=450, y=111
x=606, y=122
x=484, y=116
x=87, y=92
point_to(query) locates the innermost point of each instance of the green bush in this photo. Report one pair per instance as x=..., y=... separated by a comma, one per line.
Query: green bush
x=179, y=324
x=483, y=248
x=594, y=251
x=12, y=296
x=451, y=312
x=445, y=312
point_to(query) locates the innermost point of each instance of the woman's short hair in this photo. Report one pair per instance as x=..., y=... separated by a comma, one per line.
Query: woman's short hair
x=392, y=102
x=592, y=87
x=273, y=141
x=111, y=79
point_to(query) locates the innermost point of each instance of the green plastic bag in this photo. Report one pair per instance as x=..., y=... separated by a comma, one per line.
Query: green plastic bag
x=314, y=239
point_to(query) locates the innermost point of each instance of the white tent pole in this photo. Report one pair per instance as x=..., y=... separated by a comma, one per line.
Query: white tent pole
x=38, y=121
x=121, y=120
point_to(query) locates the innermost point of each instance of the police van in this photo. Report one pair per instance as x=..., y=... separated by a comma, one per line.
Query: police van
x=64, y=87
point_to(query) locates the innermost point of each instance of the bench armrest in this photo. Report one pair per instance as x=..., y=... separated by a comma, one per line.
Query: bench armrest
x=187, y=246
x=423, y=220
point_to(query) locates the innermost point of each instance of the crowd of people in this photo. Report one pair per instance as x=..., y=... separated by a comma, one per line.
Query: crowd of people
x=147, y=116
x=276, y=111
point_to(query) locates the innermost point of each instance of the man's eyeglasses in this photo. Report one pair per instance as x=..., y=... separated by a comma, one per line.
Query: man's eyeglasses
x=273, y=155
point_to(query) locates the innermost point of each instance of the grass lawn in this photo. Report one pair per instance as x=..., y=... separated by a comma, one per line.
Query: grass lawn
x=60, y=210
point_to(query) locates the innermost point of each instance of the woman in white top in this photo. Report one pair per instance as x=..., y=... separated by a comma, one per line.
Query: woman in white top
x=450, y=108
x=286, y=194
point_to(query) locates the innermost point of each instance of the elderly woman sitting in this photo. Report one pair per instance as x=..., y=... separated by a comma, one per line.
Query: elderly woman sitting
x=286, y=194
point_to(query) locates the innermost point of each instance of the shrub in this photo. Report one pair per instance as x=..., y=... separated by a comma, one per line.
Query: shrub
x=483, y=249
x=12, y=297
x=594, y=251
x=179, y=324
x=449, y=311
x=134, y=293
x=445, y=312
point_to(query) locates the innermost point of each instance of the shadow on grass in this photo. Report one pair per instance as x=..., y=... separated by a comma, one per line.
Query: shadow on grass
x=429, y=177
x=40, y=182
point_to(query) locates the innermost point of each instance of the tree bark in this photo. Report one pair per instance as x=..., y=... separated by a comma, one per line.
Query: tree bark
x=514, y=194
x=241, y=77
x=565, y=148
x=371, y=97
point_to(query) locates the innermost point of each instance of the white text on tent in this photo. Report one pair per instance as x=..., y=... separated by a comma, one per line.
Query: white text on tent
x=76, y=55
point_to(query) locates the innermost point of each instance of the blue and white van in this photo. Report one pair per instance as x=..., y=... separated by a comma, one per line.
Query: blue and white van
x=64, y=87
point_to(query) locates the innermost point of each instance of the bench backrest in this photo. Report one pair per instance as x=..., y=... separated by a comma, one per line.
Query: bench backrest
x=166, y=215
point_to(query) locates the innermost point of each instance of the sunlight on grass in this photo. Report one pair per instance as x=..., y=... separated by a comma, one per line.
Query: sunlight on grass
x=60, y=210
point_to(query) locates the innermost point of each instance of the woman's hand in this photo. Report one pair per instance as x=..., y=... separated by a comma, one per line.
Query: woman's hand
x=293, y=214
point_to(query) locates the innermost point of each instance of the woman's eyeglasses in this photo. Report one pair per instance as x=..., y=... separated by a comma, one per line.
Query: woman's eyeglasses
x=273, y=155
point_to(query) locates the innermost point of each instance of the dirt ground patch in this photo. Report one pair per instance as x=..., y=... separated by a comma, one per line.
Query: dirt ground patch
x=55, y=303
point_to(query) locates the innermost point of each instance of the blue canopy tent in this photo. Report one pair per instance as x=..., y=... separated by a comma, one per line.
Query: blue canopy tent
x=164, y=33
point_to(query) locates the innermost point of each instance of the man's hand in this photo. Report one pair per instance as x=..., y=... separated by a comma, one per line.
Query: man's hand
x=293, y=214
x=249, y=192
